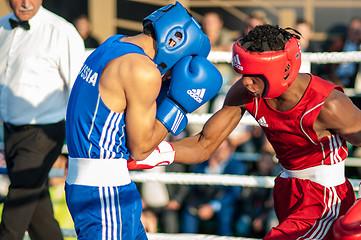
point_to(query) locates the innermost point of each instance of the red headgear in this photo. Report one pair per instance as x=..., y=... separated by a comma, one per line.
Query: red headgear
x=280, y=68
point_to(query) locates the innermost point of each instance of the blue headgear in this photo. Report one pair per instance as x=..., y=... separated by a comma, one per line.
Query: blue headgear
x=173, y=22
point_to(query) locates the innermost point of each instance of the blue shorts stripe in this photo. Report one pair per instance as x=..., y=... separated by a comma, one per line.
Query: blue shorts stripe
x=118, y=212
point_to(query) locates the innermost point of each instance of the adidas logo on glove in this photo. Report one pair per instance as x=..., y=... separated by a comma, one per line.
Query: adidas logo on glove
x=197, y=94
x=192, y=76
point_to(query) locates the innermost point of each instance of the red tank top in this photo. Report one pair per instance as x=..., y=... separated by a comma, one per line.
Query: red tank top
x=291, y=133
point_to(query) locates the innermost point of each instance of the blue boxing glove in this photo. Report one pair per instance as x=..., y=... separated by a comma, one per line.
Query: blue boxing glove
x=194, y=81
x=163, y=92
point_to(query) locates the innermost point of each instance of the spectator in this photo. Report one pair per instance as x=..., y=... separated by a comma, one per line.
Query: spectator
x=307, y=45
x=164, y=202
x=56, y=182
x=60, y=168
x=216, y=203
x=149, y=220
x=220, y=38
x=40, y=56
x=83, y=26
x=257, y=203
x=256, y=18
x=347, y=71
x=306, y=29
x=4, y=179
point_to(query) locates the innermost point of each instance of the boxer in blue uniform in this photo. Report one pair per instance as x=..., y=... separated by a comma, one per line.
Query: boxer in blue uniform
x=118, y=116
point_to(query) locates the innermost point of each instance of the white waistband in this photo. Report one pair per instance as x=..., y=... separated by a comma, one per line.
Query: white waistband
x=326, y=175
x=98, y=172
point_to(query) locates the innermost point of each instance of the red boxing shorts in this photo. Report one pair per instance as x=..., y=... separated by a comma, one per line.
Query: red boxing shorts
x=308, y=210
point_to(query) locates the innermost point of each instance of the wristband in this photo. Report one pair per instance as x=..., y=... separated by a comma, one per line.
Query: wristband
x=172, y=116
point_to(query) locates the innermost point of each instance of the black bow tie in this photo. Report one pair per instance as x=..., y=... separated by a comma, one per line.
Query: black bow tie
x=23, y=24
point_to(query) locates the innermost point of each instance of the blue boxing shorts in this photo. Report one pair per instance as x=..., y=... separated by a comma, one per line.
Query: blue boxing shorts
x=104, y=211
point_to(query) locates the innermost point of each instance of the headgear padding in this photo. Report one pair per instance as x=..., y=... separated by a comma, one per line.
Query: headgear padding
x=173, y=22
x=280, y=68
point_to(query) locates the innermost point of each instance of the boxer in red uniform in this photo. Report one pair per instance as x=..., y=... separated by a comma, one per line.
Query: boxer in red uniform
x=306, y=119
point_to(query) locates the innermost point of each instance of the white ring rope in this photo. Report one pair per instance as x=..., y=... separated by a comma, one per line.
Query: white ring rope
x=204, y=179
x=177, y=236
x=212, y=179
x=247, y=119
x=318, y=57
x=201, y=179
x=182, y=236
x=197, y=178
x=332, y=57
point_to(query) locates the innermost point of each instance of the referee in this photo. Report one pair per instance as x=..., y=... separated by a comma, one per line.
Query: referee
x=40, y=56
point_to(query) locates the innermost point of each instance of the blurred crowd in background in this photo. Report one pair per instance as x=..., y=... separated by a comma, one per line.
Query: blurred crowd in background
x=227, y=210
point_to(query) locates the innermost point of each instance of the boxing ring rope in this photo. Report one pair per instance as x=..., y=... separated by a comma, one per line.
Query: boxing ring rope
x=212, y=179
x=319, y=57
x=203, y=179
x=177, y=236
x=182, y=236
x=247, y=119
x=198, y=178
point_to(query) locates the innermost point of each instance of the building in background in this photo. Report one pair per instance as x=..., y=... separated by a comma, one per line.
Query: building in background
x=109, y=17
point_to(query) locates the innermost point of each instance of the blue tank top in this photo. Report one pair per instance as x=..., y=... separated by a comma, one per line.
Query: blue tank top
x=92, y=129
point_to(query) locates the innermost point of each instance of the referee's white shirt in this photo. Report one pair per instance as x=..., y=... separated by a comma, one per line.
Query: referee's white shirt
x=38, y=68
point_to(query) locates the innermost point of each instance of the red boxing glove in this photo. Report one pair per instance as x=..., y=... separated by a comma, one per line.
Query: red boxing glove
x=163, y=155
x=348, y=227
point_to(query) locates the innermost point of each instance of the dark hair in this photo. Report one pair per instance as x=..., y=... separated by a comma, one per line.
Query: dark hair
x=304, y=21
x=80, y=16
x=267, y=38
x=219, y=15
x=148, y=29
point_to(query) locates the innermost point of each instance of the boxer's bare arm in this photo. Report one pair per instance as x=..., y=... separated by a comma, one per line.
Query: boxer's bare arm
x=131, y=84
x=198, y=148
x=340, y=115
x=188, y=73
